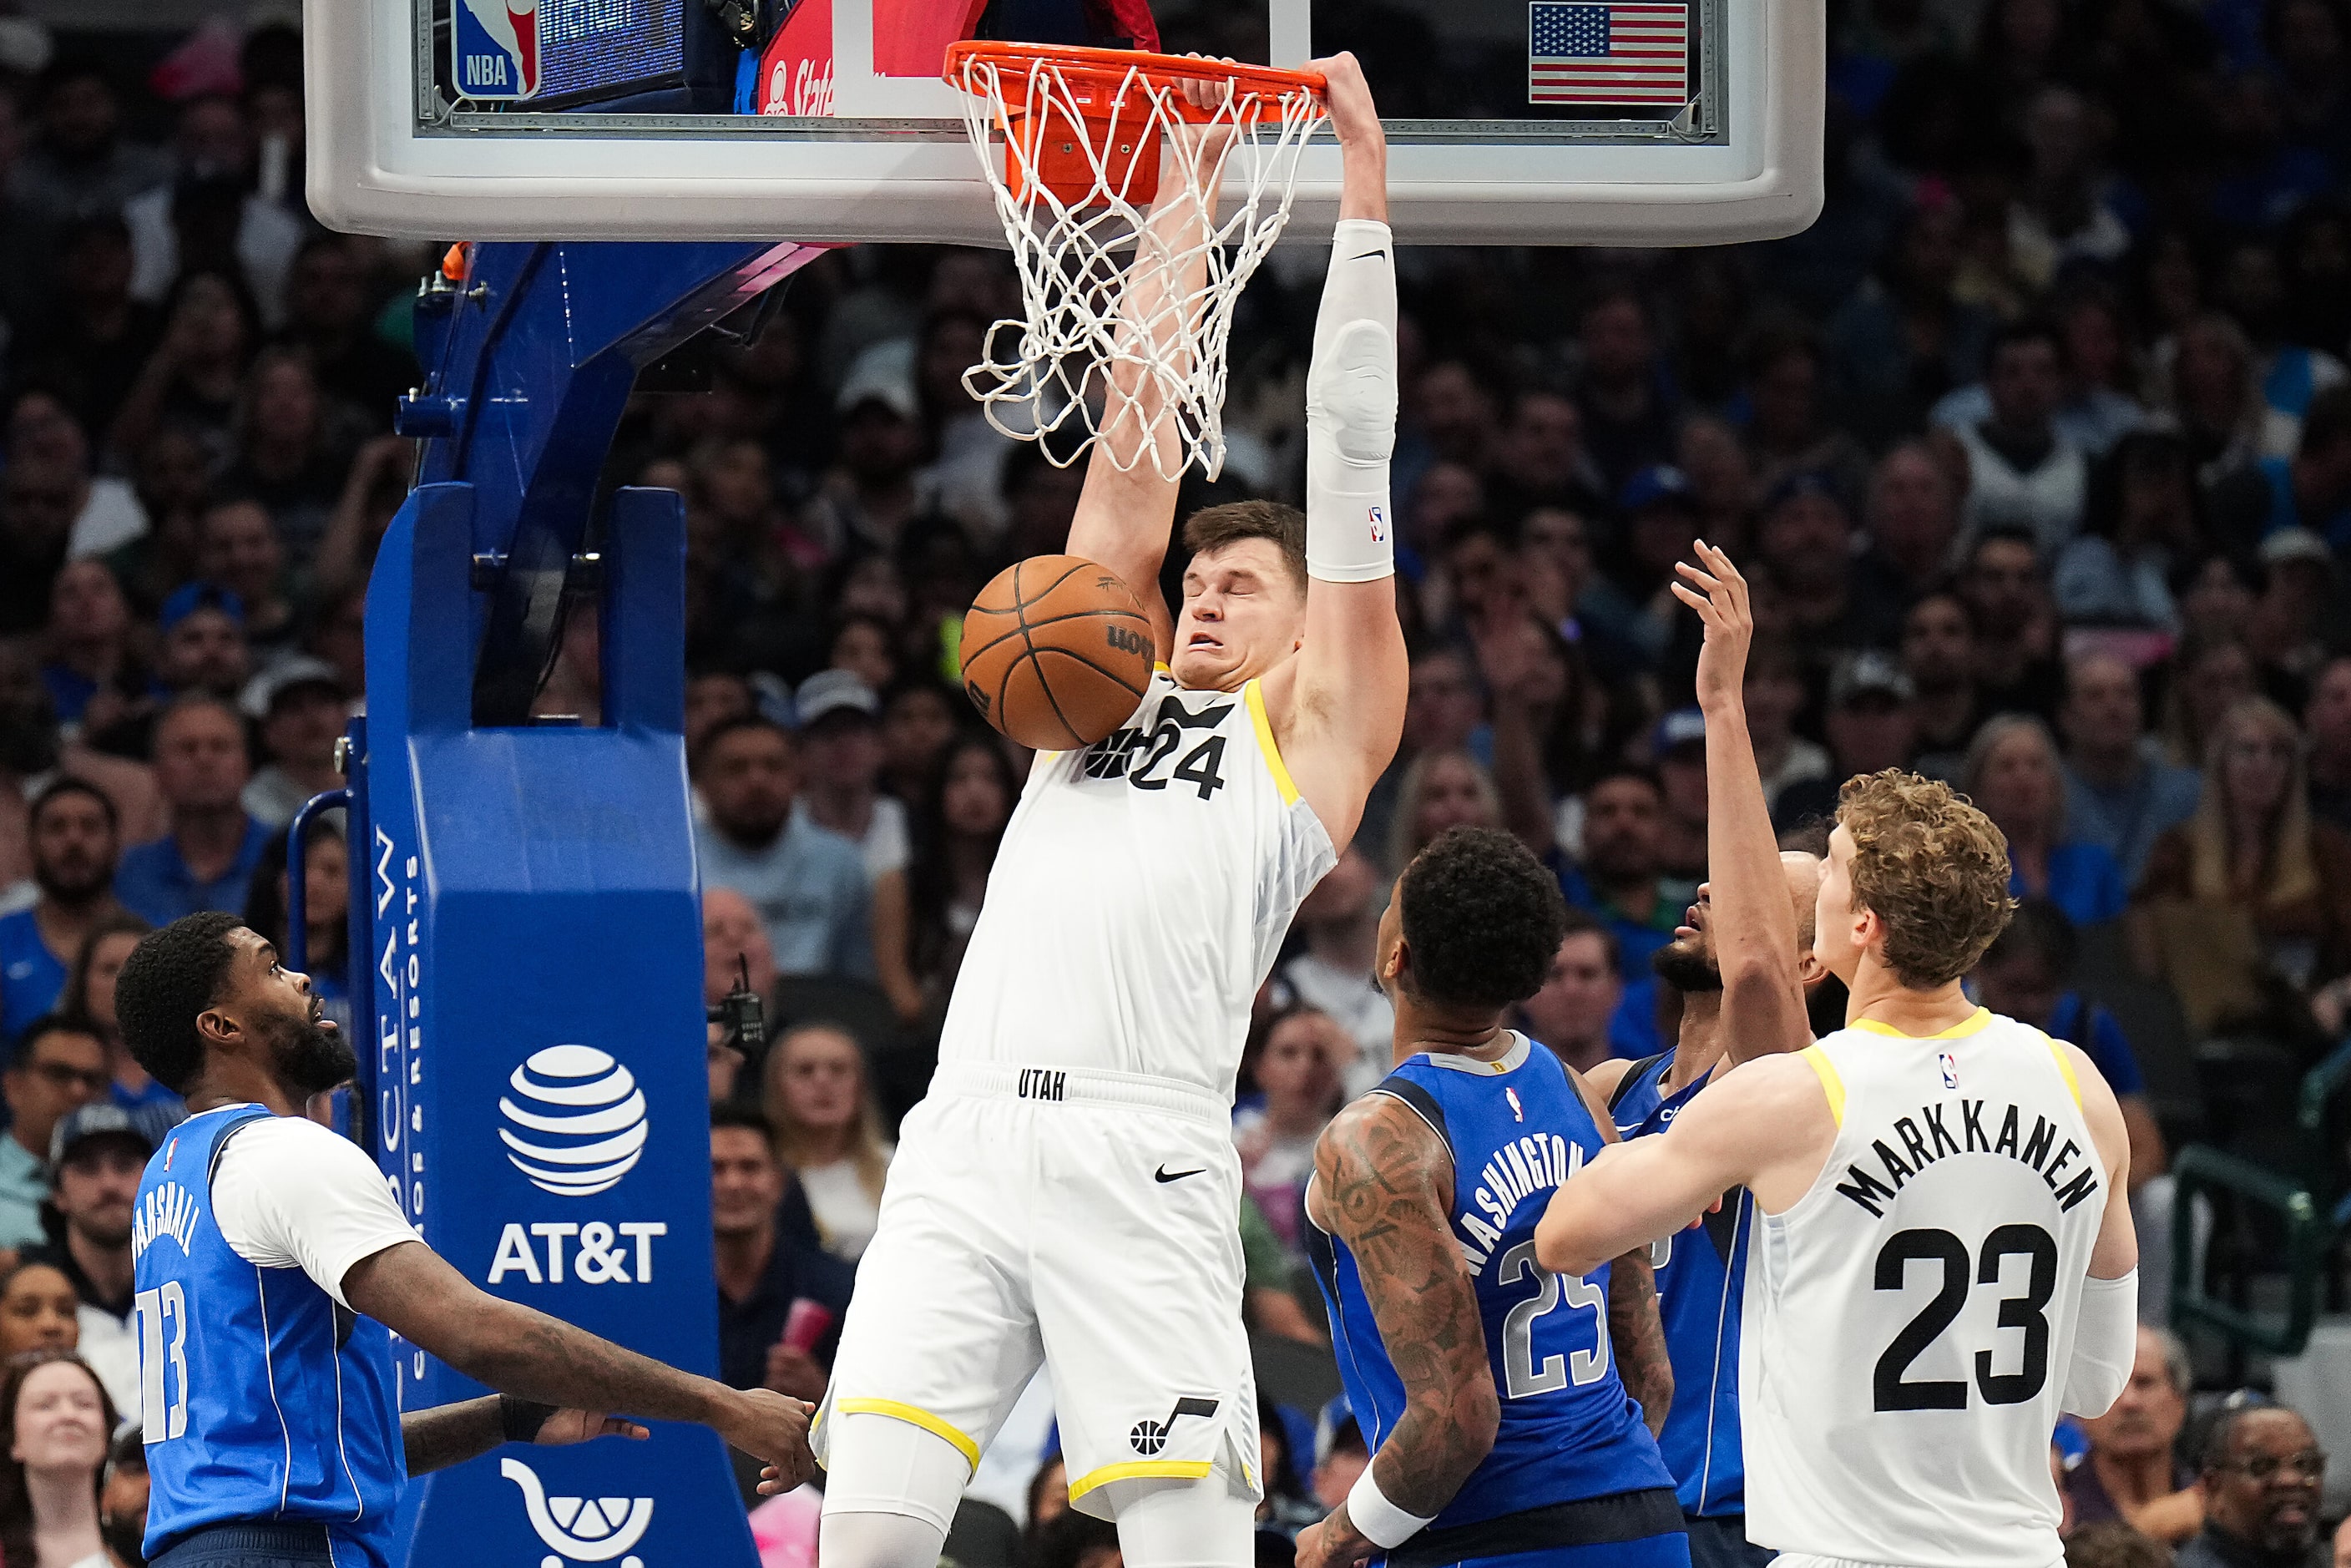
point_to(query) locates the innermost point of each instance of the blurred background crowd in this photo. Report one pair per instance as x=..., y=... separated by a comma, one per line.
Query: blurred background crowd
x=2036, y=447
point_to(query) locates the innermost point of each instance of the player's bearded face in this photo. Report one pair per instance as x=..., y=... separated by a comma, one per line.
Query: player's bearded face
x=305, y=1053
x=1687, y=964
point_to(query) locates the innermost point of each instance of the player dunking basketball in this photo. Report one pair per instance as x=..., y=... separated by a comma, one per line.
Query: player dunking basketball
x=1940, y=1261
x=1067, y=1191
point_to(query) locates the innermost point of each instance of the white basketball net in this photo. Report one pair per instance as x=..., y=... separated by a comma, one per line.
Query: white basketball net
x=1127, y=317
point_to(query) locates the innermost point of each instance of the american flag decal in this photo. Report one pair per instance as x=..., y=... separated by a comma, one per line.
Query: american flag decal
x=1631, y=54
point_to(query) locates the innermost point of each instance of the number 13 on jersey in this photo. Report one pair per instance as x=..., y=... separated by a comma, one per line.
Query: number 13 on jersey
x=163, y=1362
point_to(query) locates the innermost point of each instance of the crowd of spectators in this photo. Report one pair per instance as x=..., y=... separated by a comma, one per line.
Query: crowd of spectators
x=2036, y=448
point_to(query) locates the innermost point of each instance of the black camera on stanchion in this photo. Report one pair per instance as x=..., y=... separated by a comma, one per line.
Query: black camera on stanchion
x=742, y=1012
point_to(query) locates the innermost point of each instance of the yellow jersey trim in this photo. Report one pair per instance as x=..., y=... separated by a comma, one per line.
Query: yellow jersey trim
x=2065, y=1070
x=1975, y=1023
x=1159, y=666
x=1831, y=1084
x=1140, y=1469
x=915, y=1416
x=1264, y=728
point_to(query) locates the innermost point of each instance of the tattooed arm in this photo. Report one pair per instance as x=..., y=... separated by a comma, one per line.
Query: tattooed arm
x=1633, y=1328
x=1639, y=1336
x=451, y=1434
x=412, y=1291
x=1381, y=1180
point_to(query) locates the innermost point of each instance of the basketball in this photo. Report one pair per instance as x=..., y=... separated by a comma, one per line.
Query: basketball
x=1056, y=652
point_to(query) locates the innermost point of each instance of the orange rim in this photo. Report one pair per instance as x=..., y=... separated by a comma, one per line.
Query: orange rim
x=1105, y=71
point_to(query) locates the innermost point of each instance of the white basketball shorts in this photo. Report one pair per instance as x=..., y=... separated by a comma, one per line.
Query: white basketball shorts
x=1085, y=1219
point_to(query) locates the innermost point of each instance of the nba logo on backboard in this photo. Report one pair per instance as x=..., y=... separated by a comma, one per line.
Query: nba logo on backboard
x=495, y=44
x=1951, y=1066
x=1379, y=525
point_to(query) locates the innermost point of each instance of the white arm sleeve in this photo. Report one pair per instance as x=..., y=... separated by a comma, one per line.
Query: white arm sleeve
x=1350, y=410
x=2106, y=1342
x=289, y=1193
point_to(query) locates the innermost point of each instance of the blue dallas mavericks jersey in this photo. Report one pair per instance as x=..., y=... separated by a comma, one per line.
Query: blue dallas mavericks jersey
x=1701, y=1280
x=262, y=1399
x=1568, y=1431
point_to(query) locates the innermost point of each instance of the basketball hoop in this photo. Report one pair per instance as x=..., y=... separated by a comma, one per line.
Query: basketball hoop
x=1103, y=284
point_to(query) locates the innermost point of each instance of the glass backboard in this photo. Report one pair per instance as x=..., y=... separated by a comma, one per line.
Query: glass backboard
x=1509, y=121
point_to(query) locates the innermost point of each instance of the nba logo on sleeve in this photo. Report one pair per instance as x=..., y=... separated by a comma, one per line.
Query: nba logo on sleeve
x=496, y=46
x=1379, y=525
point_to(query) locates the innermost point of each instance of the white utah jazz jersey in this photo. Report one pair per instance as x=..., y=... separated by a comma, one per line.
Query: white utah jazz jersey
x=1909, y=1321
x=1140, y=896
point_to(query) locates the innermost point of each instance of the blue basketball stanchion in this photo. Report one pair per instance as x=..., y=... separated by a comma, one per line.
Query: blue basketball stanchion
x=526, y=935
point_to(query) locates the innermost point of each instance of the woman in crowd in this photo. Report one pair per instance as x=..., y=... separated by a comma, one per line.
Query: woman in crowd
x=958, y=824
x=38, y=1311
x=93, y=667
x=861, y=645
x=196, y=375
x=2140, y=523
x=1297, y=1073
x=2013, y=773
x=1551, y=719
x=919, y=720
x=828, y=1130
x=2251, y=894
x=2209, y=677
x=89, y=995
x=55, y=1421
x=326, y=885
x=1440, y=789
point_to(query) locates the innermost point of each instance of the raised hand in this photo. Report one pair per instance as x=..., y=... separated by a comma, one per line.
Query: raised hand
x=1203, y=144
x=1354, y=118
x=1719, y=593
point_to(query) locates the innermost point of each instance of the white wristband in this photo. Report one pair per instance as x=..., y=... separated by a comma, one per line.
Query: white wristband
x=1351, y=411
x=1382, y=1522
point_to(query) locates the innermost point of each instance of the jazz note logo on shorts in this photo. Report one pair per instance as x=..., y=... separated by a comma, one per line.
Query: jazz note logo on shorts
x=1150, y=1436
x=494, y=44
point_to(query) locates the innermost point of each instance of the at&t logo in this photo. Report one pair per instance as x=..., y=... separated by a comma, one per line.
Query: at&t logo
x=576, y=1123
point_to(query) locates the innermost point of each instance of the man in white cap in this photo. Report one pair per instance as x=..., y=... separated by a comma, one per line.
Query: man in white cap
x=841, y=766
x=96, y=1156
x=301, y=707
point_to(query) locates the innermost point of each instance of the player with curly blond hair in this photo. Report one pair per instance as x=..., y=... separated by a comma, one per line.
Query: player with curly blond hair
x=1936, y=1272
